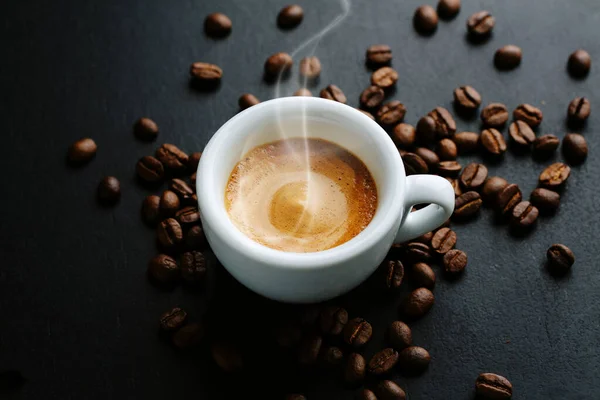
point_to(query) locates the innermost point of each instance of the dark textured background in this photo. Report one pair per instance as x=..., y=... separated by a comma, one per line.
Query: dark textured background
x=77, y=315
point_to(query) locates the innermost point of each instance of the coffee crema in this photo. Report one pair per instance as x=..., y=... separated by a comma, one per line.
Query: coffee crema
x=301, y=195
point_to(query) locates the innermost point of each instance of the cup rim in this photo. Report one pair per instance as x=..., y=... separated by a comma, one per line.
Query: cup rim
x=223, y=227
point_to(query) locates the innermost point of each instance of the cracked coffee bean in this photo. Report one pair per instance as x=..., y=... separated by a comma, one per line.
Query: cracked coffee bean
x=333, y=319
x=467, y=98
x=524, y=216
x=529, y=114
x=555, y=175
x=188, y=216
x=508, y=198
x=449, y=169
x=579, y=110
x=416, y=252
x=418, y=302
x=492, y=386
x=205, y=73
x=379, y=54
x=334, y=93
x=413, y=164
x=193, y=267
x=384, y=77
x=394, y=273
x=494, y=115
x=169, y=233
x=172, y=158
x=480, y=24
x=545, y=200
x=399, y=335
x=391, y=113
x=544, y=146
x=357, y=332
x=150, y=169
x=183, y=191
x=473, y=176
x=172, y=319
x=445, y=126
x=560, y=258
x=456, y=186
x=422, y=275
x=455, y=261
x=521, y=133
x=163, y=269
x=372, y=97
x=383, y=361
x=217, y=25
x=443, y=240
x=467, y=205
x=493, y=142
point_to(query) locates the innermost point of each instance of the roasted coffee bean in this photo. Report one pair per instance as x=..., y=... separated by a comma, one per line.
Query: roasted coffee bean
x=545, y=200
x=449, y=169
x=310, y=67
x=109, y=190
x=555, y=175
x=529, y=114
x=508, y=198
x=480, y=24
x=545, y=146
x=169, y=233
x=368, y=114
x=422, y=275
x=414, y=360
x=424, y=238
x=508, y=57
x=303, y=92
x=366, y=394
x=205, y=72
x=456, y=186
x=560, y=258
x=383, y=361
x=355, y=369
x=467, y=205
x=494, y=115
x=169, y=203
x=82, y=151
x=430, y=158
x=426, y=130
x=194, y=238
x=295, y=397
x=473, y=176
x=145, y=129
x=332, y=356
x=388, y=390
x=333, y=92
x=217, y=25
x=404, y=135
x=290, y=16
x=524, y=215
x=492, y=386
x=172, y=319
x=172, y=158
x=455, y=261
x=151, y=210
x=372, y=97
x=413, y=164
x=579, y=109
x=357, y=332
x=575, y=148
x=163, y=269
x=247, y=100
x=188, y=216
x=419, y=302
x=448, y=9
x=467, y=98
x=193, y=161
x=384, y=77
x=278, y=63
x=579, y=63
x=447, y=150
x=226, y=356
x=333, y=319
x=193, y=267
x=415, y=252
x=466, y=142
x=379, y=54
x=309, y=349
x=188, y=336
x=183, y=191
x=391, y=113
x=399, y=335
x=521, y=133
x=288, y=334
x=445, y=126
x=150, y=169
x=443, y=240
x=491, y=187
x=425, y=19
x=394, y=273
x=493, y=142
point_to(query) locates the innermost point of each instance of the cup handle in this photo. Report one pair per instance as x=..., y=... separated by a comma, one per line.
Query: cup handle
x=425, y=189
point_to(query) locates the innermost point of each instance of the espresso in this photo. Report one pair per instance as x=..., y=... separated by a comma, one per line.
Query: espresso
x=301, y=195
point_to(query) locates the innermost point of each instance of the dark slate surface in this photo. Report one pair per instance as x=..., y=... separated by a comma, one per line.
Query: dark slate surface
x=78, y=317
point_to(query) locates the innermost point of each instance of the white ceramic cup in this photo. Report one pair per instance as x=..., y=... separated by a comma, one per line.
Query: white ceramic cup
x=317, y=276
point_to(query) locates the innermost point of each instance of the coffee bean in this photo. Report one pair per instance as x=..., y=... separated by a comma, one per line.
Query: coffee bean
x=414, y=360
x=150, y=210
x=426, y=130
x=193, y=161
x=579, y=109
x=391, y=113
x=169, y=233
x=172, y=158
x=188, y=216
x=290, y=16
x=309, y=349
x=493, y=141
x=333, y=92
x=447, y=150
x=372, y=97
x=494, y=115
x=466, y=142
x=418, y=302
x=278, y=63
x=448, y=9
x=384, y=77
x=169, y=203
x=544, y=146
x=456, y=186
x=404, y=135
x=422, y=275
x=424, y=238
x=467, y=98
x=449, y=169
x=357, y=332
x=480, y=24
x=332, y=356
x=188, y=336
x=295, y=397
x=226, y=356
x=333, y=319
x=560, y=258
x=172, y=319
x=145, y=129
x=193, y=267
x=455, y=261
x=545, y=200
x=247, y=100
x=579, y=63
x=288, y=334
x=467, y=205
x=163, y=269
x=529, y=114
x=150, y=169
x=109, y=190
x=431, y=159
x=368, y=114
x=508, y=57
x=383, y=361
x=366, y=394
x=310, y=67
x=194, y=238
x=388, y=390
x=473, y=176
x=217, y=25
x=394, y=273
x=524, y=216
x=303, y=92
x=443, y=240
x=413, y=164
x=491, y=187
x=555, y=175
x=445, y=126
x=355, y=369
x=205, y=72
x=508, y=198
x=82, y=151
x=399, y=335
x=492, y=386
x=425, y=19
x=415, y=252
x=575, y=148
x=521, y=133
x=183, y=191
x=379, y=54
